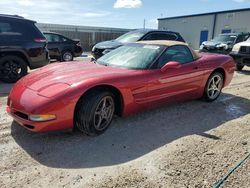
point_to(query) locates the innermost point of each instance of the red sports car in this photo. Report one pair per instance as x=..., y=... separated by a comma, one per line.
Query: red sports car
x=127, y=80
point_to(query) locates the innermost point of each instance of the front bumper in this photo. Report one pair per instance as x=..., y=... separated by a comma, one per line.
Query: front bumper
x=241, y=59
x=215, y=50
x=23, y=102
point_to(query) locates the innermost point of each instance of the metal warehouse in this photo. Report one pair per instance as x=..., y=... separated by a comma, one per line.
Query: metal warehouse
x=202, y=27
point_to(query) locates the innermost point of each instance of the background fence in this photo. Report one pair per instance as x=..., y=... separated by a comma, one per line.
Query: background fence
x=88, y=36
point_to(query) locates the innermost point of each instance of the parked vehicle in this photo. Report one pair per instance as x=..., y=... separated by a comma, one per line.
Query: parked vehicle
x=133, y=36
x=241, y=54
x=62, y=48
x=223, y=43
x=22, y=45
x=129, y=79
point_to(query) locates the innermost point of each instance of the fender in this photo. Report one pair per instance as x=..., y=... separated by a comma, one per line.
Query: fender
x=17, y=51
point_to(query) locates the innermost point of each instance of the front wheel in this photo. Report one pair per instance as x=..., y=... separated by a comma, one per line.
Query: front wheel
x=95, y=112
x=213, y=87
x=12, y=68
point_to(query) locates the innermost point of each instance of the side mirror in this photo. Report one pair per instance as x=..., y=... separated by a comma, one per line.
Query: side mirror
x=171, y=65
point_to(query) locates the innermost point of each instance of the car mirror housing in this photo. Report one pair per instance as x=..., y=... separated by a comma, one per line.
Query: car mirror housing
x=171, y=65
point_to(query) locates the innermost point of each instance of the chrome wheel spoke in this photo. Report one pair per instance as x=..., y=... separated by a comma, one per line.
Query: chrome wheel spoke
x=218, y=82
x=104, y=103
x=99, y=121
x=215, y=86
x=104, y=113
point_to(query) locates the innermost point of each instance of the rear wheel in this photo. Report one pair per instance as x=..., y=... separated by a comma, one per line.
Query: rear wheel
x=67, y=56
x=95, y=112
x=12, y=68
x=213, y=87
x=239, y=67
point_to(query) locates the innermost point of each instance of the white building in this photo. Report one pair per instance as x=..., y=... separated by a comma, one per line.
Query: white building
x=201, y=27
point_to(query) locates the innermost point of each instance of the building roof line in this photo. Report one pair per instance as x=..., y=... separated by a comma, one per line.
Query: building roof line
x=206, y=14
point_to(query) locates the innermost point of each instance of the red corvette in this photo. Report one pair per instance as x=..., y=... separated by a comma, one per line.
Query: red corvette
x=127, y=80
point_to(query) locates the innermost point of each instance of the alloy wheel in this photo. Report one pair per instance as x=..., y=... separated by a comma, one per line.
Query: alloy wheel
x=214, y=87
x=67, y=56
x=104, y=113
x=11, y=69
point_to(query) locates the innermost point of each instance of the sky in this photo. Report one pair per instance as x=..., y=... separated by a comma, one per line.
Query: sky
x=113, y=13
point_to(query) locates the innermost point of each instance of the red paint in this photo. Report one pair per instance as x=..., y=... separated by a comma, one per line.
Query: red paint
x=56, y=88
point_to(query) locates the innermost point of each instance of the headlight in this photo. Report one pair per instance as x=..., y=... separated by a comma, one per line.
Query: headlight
x=236, y=48
x=41, y=118
x=106, y=51
x=225, y=46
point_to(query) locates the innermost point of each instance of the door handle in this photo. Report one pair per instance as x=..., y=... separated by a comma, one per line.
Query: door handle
x=196, y=67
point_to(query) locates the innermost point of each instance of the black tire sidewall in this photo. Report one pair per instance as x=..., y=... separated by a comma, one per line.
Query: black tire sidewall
x=22, y=64
x=205, y=95
x=62, y=59
x=87, y=107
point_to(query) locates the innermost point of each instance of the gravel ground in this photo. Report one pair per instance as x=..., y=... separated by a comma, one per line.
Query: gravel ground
x=192, y=144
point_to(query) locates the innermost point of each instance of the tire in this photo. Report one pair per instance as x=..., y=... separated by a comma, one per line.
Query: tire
x=12, y=68
x=67, y=56
x=239, y=67
x=91, y=117
x=213, y=89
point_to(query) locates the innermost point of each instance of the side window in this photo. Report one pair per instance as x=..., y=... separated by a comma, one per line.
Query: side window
x=4, y=27
x=178, y=53
x=63, y=39
x=9, y=30
x=52, y=38
x=161, y=36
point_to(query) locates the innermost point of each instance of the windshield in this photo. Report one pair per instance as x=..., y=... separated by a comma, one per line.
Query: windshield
x=225, y=38
x=130, y=37
x=133, y=56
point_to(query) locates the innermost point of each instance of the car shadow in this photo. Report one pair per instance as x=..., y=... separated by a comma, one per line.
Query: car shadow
x=130, y=138
x=5, y=88
x=245, y=72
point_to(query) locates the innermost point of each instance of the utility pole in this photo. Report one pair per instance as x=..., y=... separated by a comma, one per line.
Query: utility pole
x=144, y=23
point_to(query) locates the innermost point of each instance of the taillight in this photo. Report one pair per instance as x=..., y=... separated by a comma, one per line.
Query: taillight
x=39, y=40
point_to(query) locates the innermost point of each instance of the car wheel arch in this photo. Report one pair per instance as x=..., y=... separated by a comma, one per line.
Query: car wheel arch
x=16, y=53
x=119, y=100
x=222, y=71
x=67, y=50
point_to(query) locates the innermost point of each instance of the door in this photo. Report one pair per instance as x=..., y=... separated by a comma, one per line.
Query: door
x=226, y=31
x=203, y=36
x=54, y=42
x=174, y=84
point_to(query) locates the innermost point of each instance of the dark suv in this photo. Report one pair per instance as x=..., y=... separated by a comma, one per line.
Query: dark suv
x=22, y=45
x=134, y=36
x=223, y=43
x=62, y=48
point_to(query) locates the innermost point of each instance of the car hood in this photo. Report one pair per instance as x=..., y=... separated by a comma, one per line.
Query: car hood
x=246, y=43
x=212, y=43
x=64, y=75
x=112, y=44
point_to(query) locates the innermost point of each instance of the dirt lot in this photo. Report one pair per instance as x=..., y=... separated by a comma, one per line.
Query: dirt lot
x=192, y=144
